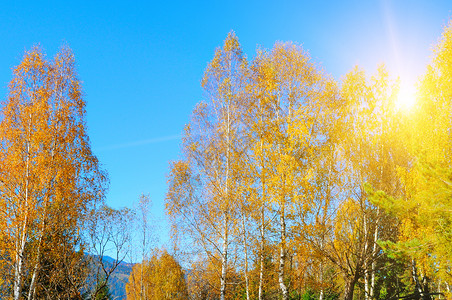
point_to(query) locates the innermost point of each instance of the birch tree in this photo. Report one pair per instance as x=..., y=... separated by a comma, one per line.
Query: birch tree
x=47, y=167
x=108, y=233
x=162, y=276
x=297, y=96
x=370, y=153
x=204, y=185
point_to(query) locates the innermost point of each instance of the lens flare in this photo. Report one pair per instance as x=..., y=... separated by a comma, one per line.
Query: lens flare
x=406, y=97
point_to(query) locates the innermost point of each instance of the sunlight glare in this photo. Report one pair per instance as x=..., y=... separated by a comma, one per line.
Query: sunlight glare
x=406, y=97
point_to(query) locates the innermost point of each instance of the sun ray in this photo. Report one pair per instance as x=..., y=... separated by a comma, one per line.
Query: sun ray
x=406, y=97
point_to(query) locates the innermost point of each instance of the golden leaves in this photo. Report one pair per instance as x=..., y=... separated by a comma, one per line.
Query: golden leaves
x=49, y=175
x=160, y=277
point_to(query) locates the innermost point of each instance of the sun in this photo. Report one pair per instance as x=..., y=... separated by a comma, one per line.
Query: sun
x=406, y=98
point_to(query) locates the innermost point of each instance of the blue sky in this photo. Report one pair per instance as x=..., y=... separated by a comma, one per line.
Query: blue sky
x=141, y=63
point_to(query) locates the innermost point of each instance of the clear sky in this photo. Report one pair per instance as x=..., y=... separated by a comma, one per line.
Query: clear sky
x=141, y=63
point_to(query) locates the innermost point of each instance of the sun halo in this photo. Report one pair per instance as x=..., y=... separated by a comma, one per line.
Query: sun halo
x=406, y=97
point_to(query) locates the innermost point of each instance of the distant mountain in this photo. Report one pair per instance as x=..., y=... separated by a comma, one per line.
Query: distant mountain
x=119, y=278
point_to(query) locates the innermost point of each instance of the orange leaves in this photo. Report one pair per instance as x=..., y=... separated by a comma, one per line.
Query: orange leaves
x=251, y=152
x=204, y=187
x=49, y=171
x=160, y=277
x=348, y=225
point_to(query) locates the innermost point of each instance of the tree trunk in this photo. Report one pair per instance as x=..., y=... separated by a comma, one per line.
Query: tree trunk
x=262, y=227
x=19, y=263
x=439, y=289
x=426, y=288
x=282, y=257
x=224, y=262
x=374, y=257
x=261, y=271
x=224, y=254
x=418, y=289
x=350, y=287
x=18, y=276
x=32, y=289
x=423, y=292
x=246, y=258
x=366, y=263
x=282, y=221
x=36, y=269
x=321, y=280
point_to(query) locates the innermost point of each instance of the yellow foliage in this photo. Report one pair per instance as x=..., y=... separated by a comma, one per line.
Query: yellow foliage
x=161, y=277
x=48, y=175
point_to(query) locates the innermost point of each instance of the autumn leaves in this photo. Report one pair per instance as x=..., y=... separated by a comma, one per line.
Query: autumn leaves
x=49, y=178
x=290, y=184
x=269, y=195
x=249, y=156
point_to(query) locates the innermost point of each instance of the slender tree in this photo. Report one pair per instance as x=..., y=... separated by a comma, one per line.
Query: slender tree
x=108, y=233
x=162, y=277
x=204, y=186
x=369, y=152
x=47, y=167
x=297, y=97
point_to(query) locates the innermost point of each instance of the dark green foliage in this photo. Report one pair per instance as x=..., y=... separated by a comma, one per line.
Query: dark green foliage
x=104, y=293
x=308, y=295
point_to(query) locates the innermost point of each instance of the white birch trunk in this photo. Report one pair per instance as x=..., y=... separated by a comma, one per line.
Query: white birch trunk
x=246, y=258
x=439, y=289
x=32, y=289
x=36, y=269
x=19, y=262
x=261, y=258
x=18, y=276
x=282, y=221
x=282, y=257
x=321, y=281
x=374, y=258
x=415, y=277
x=224, y=256
x=262, y=226
x=366, y=264
x=224, y=262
